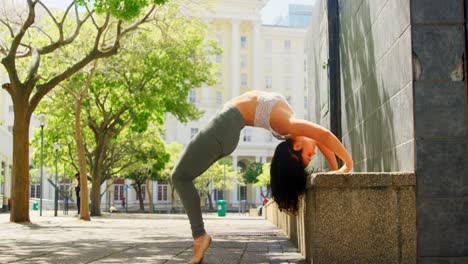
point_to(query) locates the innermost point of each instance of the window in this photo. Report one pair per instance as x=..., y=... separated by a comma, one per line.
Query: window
x=306, y=102
x=287, y=83
x=143, y=192
x=242, y=193
x=218, y=195
x=287, y=45
x=268, y=82
x=243, y=61
x=219, y=58
x=288, y=98
x=193, y=131
x=243, y=79
x=35, y=191
x=162, y=192
x=243, y=42
x=10, y=109
x=220, y=40
x=10, y=129
x=305, y=84
x=268, y=45
x=268, y=64
x=192, y=96
x=219, y=98
x=247, y=135
x=118, y=192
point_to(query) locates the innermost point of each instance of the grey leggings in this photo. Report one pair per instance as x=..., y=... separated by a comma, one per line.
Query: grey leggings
x=218, y=139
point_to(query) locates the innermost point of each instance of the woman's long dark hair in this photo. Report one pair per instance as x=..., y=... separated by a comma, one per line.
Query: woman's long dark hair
x=288, y=177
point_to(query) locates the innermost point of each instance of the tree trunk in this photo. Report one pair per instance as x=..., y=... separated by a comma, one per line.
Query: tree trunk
x=209, y=200
x=140, y=196
x=84, y=205
x=96, y=195
x=172, y=197
x=149, y=191
x=20, y=176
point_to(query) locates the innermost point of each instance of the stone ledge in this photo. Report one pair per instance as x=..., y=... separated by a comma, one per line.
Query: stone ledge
x=361, y=180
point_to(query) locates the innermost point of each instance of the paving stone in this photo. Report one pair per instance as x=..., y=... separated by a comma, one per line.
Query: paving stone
x=141, y=238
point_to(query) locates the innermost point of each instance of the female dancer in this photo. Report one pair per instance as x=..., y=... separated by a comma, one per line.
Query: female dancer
x=220, y=137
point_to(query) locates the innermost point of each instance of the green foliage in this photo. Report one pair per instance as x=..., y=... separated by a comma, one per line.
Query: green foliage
x=147, y=155
x=221, y=175
x=121, y=9
x=174, y=150
x=151, y=76
x=264, y=178
x=58, y=128
x=252, y=172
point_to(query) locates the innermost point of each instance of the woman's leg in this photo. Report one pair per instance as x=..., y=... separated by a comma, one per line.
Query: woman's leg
x=218, y=139
x=199, y=155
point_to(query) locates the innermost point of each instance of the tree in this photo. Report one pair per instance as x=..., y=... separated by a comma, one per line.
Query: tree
x=28, y=85
x=219, y=176
x=124, y=94
x=252, y=172
x=149, y=156
x=174, y=150
x=264, y=179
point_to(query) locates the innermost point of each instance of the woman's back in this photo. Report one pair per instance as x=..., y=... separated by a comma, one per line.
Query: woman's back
x=278, y=118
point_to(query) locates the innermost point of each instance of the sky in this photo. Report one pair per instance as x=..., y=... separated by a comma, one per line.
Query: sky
x=272, y=10
x=278, y=8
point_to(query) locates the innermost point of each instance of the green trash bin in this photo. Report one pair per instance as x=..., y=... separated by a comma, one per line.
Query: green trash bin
x=221, y=207
x=35, y=206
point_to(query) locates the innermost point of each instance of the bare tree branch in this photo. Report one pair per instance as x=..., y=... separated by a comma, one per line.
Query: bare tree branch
x=73, y=3
x=12, y=34
x=9, y=60
x=50, y=15
x=70, y=91
x=32, y=77
x=92, y=18
x=43, y=32
x=138, y=23
x=101, y=30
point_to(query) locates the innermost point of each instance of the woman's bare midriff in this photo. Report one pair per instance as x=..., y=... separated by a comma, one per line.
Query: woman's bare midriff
x=246, y=103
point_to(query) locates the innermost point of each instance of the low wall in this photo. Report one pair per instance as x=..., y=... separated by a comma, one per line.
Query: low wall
x=354, y=218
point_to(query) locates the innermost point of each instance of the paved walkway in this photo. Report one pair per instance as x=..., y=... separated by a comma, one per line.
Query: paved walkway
x=141, y=238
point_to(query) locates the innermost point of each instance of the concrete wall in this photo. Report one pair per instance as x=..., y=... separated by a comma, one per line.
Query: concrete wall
x=354, y=218
x=376, y=87
x=438, y=37
x=292, y=225
x=316, y=49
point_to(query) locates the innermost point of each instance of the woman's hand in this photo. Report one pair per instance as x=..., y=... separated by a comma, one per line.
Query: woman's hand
x=344, y=169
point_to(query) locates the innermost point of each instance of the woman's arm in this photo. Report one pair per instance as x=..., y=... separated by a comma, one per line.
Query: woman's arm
x=329, y=155
x=323, y=136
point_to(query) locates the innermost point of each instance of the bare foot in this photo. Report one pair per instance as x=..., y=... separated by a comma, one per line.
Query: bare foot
x=200, y=245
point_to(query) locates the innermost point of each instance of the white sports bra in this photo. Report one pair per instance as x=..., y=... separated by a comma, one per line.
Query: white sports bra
x=265, y=103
